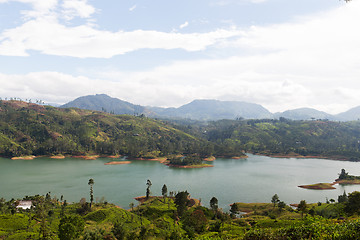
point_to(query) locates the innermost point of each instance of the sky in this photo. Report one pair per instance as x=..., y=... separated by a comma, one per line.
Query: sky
x=282, y=54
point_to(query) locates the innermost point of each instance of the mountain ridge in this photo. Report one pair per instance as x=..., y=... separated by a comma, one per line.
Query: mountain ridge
x=205, y=110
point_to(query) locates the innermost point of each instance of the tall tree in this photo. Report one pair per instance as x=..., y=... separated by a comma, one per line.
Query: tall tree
x=234, y=210
x=164, y=192
x=275, y=199
x=214, y=204
x=353, y=204
x=148, y=184
x=302, y=207
x=181, y=201
x=91, y=183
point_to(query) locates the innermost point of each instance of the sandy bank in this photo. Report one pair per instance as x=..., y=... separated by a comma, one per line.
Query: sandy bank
x=190, y=166
x=89, y=157
x=23, y=158
x=210, y=159
x=117, y=163
x=58, y=157
x=242, y=157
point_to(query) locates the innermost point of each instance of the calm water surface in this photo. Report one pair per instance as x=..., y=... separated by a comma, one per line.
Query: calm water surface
x=255, y=179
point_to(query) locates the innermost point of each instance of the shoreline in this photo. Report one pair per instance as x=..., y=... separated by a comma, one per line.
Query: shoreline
x=160, y=159
x=117, y=163
x=31, y=157
x=190, y=166
x=292, y=155
x=347, y=182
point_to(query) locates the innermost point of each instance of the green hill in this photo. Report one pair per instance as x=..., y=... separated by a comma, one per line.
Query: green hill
x=104, y=103
x=31, y=129
x=339, y=140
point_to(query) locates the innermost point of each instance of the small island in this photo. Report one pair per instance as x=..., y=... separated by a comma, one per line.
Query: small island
x=345, y=178
x=191, y=161
x=319, y=186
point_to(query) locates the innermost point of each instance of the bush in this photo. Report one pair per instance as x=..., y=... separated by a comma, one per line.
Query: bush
x=97, y=216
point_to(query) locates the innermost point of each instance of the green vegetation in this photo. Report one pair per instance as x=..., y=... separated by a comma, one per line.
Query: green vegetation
x=318, y=138
x=180, y=217
x=31, y=129
x=192, y=160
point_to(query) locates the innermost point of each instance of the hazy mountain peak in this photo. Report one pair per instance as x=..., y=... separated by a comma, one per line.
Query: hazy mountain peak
x=103, y=102
x=205, y=109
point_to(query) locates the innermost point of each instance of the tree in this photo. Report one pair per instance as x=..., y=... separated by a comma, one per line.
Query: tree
x=71, y=227
x=181, y=201
x=164, y=192
x=91, y=183
x=148, y=183
x=281, y=205
x=131, y=205
x=343, y=198
x=214, y=204
x=196, y=220
x=353, y=204
x=343, y=174
x=302, y=207
x=234, y=210
x=275, y=199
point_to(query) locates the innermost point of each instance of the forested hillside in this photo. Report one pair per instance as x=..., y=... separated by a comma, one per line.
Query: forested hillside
x=339, y=140
x=27, y=128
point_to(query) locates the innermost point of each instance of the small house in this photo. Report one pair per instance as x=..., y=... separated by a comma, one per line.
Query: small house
x=24, y=204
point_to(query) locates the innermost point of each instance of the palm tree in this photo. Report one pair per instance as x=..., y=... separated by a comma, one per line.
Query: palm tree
x=91, y=183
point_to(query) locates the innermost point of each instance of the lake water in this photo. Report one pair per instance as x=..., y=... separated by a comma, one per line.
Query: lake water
x=255, y=179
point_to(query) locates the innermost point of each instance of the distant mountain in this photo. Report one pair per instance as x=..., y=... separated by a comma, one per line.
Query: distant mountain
x=215, y=110
x=102, y=102
x=350, y=115
x=205, y=110
x=304, y=114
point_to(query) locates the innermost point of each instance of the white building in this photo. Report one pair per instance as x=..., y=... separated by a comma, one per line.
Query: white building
x=24, y=204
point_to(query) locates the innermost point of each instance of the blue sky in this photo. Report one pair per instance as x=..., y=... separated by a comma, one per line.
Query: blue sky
x=282, y=54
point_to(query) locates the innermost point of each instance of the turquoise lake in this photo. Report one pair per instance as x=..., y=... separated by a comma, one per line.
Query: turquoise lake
x=255, y=179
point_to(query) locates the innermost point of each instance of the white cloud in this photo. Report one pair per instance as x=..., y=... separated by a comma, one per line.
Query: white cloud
x=50, y=37
x=184, y=25
x=310, y=62
x=133, y=8
x=55, y=8
x=77, y=8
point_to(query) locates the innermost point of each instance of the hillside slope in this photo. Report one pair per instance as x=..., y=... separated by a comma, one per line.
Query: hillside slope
x=27, y=128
